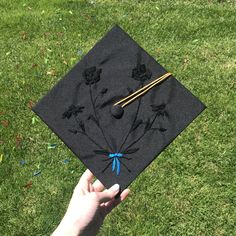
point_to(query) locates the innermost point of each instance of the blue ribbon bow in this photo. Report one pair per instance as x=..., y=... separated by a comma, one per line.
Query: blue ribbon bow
x=116, y=162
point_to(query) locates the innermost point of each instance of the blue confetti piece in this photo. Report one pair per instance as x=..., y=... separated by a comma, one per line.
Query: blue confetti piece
x=66, y=161
x=37, y=173
x=22, y=162
x=80, y=52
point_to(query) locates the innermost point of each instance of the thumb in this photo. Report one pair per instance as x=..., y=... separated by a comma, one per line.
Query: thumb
x=108, y=194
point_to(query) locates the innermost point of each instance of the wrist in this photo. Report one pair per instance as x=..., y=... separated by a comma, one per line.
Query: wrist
x=67, y=228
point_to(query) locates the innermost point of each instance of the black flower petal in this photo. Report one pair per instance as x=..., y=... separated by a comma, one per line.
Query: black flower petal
x=141, y=73
x=73, y=131
x=72, y=111
x=82, y=126
x=160, y=110
x=103, y=91
x=92, y=75
x=162, y=129
x=157, y=108
x=148, y=125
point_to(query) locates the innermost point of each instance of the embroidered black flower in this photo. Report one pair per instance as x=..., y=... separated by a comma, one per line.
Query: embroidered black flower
x=159, y=109
x=72, y=110
x=141, y=73
x=92, y=75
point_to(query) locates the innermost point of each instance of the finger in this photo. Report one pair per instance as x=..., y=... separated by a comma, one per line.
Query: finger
x=108, y=194
x=124, y=194
x=83, y=184
x=86, y=178
x=98, y=186
x=121, y=198
x=91, y=188
x=109, y=206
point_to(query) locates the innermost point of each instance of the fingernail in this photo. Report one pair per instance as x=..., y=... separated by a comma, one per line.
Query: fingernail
x=115, y=188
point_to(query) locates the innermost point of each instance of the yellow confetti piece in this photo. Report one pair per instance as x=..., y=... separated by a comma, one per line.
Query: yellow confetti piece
x=1, y=158
x=51, y=72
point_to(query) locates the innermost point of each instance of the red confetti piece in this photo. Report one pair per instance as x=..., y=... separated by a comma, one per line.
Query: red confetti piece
x=60, y=34
x=4, y=123
x=18, y=140
x=28, y=185
x=30, y=104
x=46, y=34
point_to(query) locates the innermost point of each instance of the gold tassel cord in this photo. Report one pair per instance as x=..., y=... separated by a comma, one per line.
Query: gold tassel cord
x=142, y=91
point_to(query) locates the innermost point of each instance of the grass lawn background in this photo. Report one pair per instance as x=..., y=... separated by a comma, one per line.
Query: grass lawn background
x=190, y=189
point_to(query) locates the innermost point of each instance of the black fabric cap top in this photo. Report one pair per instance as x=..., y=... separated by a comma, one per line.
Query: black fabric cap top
x=117, y=143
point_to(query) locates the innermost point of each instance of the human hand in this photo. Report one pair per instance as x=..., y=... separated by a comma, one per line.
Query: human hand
x=88, y=207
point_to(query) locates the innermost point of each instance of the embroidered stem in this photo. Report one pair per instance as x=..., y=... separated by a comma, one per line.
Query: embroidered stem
x=127, y=158
x=106, y=160
x=142, y=134
x=125, y=166
x=95, y=114
x=84, y=133
x=96, y=98
x=106, y=167
x=93, y=141
x=135, y=118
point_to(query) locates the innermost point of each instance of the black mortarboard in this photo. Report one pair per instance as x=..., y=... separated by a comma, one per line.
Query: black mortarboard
x=117, y=143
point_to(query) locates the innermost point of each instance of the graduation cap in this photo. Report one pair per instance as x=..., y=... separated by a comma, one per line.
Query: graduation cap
x=118, y=109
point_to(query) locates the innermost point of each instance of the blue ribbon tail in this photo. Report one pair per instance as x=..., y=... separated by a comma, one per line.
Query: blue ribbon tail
x=117, y=166
x=113, y=164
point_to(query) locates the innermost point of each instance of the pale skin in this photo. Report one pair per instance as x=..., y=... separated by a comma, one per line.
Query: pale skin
x=88, y=207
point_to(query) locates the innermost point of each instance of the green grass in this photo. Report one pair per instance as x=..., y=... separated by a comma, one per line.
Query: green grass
x=191, y=188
